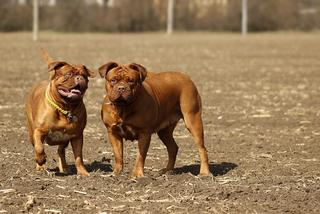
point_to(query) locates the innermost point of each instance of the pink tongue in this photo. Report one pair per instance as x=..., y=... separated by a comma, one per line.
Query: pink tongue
x=73, y=92
x=63, y=92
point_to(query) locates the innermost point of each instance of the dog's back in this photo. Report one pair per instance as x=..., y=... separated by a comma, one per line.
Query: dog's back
x=175, y=94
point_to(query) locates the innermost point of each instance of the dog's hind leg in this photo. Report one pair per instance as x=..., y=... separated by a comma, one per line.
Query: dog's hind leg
x=62, y=165
x=77, y=144
x=192, y=117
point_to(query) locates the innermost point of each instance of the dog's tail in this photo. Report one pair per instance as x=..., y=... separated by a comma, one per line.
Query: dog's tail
x=46, y=56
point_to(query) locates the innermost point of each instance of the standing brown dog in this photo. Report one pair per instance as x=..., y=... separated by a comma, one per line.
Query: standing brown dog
x=56, y=113
x=139, y=103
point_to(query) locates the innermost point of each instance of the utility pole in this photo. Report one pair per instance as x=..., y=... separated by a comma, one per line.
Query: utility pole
x=170, y=16
x=244, y=21
x=35, y=20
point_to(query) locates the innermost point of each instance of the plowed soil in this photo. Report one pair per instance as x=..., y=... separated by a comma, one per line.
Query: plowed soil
x=261, y=109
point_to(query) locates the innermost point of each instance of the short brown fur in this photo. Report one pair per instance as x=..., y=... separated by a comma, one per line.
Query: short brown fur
x=136, y=107
x=46, y=124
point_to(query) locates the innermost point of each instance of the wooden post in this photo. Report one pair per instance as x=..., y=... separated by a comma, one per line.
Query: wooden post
x=244, y=21
x=35, y=20
x=170, y=16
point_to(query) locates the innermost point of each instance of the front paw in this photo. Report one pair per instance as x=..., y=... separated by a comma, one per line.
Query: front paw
x=41, y=167
x=41, y=159
x=117, y=169
x=137, y=174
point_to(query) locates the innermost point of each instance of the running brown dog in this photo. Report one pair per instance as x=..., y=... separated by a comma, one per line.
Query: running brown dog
x=56, y=114
x=139, y=103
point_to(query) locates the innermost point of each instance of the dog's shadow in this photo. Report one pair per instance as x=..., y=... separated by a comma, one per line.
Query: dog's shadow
x=103, y=165
x=216, y=169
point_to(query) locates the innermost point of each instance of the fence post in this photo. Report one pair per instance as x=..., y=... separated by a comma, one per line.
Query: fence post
x=244, y=21
x=35, y=20
x=170, y=16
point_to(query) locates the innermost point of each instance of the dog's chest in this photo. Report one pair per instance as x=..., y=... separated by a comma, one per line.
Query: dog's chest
x=125, y=131
x=58, y=136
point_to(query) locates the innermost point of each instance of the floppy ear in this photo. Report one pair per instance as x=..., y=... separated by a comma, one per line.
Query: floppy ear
x=142, y=70
x=88, y=71
x=103, y=70
x=53, y=66
x=56, y=65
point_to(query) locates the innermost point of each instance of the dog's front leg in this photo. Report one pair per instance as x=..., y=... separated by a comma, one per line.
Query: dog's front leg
x=143, y=146
x=77, y=144
x=40, y=155
x=117, y=146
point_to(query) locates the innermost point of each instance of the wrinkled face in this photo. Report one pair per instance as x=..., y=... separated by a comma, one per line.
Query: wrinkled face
x=70, y=81
x=122, y=82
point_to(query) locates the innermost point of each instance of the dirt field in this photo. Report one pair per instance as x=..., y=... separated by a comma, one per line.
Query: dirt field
x=261, y=109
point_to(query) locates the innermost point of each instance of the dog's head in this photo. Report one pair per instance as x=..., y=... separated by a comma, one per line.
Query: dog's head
x=69, y=81
x=122, y=81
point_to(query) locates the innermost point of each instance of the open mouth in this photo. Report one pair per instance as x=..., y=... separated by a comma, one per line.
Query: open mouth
x=75, y=92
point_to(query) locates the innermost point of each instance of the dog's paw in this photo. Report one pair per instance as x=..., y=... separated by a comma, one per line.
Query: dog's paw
x=166, y=171
x=65, y=170
x=117, y=170
x=83, y=173
x=137, y=174
x=205, y=174
x=41, y=159
x=41, y=167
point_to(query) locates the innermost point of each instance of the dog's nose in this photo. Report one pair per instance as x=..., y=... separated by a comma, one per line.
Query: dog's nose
x=121, y=89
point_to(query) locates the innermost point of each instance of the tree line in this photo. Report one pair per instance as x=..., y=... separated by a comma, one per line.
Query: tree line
x=150, y=15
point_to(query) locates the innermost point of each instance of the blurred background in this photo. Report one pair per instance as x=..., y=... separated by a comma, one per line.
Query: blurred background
x=260, y=96
x=151, y=15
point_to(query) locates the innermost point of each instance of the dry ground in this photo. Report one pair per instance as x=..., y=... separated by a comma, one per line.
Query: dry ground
x=261, y=109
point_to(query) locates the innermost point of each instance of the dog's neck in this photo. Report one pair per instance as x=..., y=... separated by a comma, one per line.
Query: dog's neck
x=53, y=94
x=122, y=111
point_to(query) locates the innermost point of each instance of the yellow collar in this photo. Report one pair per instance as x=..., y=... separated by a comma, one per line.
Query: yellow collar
x=68, y=114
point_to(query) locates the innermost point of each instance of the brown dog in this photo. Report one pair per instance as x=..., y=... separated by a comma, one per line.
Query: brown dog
x=56, y=113
x=139, y=103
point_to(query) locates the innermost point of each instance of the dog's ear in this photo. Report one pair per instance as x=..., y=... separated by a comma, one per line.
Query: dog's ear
x=88, y=71
x=142, y=70
x=54, y=66
x=103, y=70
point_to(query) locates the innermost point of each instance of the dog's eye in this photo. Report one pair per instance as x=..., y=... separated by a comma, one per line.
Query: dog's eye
x=131, y=81
x=68, y=75
x=113, y=81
